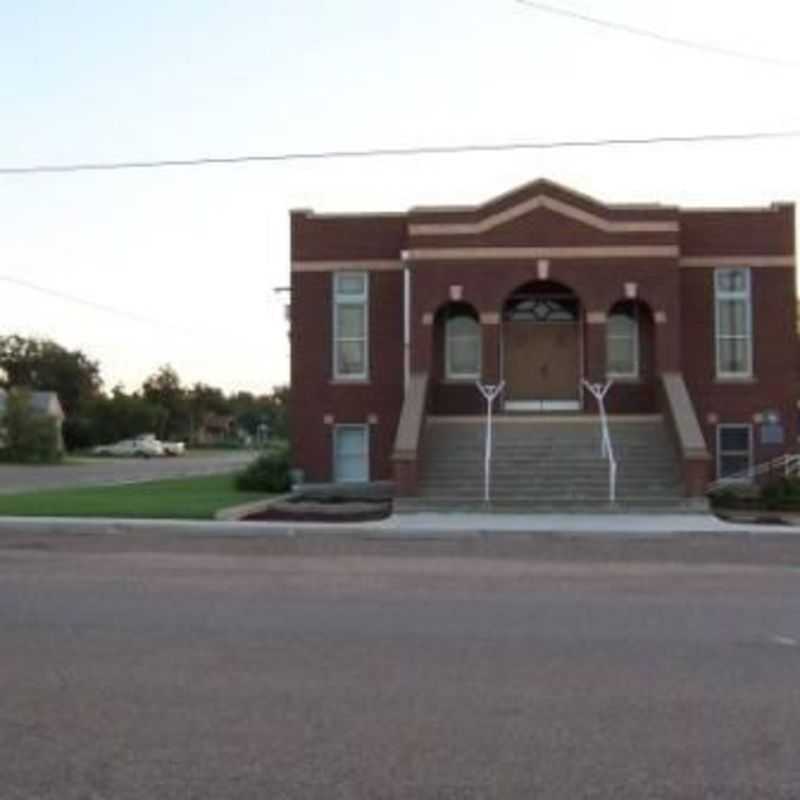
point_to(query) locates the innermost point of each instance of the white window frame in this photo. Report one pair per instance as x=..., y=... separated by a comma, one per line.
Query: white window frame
x=750, y=450
x=449, y=372
x=365, y=428
x=350, y=299
x=743, y=295
x=634, y=317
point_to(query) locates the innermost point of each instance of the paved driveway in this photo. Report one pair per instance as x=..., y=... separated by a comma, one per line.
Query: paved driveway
x=98, y=471
x=143, y=675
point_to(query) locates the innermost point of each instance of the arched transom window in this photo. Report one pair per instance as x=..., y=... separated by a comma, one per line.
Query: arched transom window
x=462, y=347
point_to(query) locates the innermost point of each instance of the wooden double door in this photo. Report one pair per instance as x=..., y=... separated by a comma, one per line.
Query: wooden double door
x=541, y=362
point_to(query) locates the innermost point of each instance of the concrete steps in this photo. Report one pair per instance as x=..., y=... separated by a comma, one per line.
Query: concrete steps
x=548, y=464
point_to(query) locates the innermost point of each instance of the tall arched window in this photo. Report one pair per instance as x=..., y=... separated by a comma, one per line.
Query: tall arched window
x=462, y=347
x=622, y=342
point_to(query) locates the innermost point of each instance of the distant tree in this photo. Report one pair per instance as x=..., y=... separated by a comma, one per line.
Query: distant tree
x=43, y=364
x=279, y=404
x=204, y=400
x=123, y=416
x=26, y=436
x=163, y=388
x=271, y=410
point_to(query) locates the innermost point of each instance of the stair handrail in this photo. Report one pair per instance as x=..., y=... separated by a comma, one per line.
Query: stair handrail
x=599, y=392
x=788, y=464
x=490, y=392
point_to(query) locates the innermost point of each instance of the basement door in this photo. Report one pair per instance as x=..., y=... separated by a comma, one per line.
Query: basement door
x=540, y=365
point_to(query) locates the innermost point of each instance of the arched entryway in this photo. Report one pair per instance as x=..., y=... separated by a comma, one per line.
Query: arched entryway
x=542, y=348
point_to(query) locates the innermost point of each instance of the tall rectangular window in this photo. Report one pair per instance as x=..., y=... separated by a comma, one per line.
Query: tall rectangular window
x=734, y=450
x=462, y=348
x=622, y=343
x=734, y=323
x=350, y=326
x=351, y=453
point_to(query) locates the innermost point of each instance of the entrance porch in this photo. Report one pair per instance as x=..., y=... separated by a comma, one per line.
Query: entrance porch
x=543, y=342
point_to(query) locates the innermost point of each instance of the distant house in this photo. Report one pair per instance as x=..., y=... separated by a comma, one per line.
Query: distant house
x=215, y=429
x=45, y=403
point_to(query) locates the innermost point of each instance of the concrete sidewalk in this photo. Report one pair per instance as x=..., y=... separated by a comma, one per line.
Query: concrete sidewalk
x=422, y=525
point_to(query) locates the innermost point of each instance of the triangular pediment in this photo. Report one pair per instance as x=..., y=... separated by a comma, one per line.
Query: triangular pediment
x=541, y=194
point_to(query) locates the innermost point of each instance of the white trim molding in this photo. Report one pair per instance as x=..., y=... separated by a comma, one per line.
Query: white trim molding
x=348, y=265
x=551, y=204
x=737, y=261
x=525, y=253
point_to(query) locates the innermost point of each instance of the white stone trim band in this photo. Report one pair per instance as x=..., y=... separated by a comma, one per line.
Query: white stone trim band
x=490, y=253
x=737, y=261
x=542, y=201
x=355, y=264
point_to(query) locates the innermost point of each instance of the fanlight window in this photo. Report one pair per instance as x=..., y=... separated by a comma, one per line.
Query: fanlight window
x=542, y=309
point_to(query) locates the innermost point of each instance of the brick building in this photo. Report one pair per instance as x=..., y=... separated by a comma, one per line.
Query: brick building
x=691, y=312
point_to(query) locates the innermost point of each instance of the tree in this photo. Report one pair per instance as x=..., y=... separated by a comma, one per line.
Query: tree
x=164, y=389
x=270, y=409
x=43, y=364
x=279, y=412
x=123, y=416
x=25, y=436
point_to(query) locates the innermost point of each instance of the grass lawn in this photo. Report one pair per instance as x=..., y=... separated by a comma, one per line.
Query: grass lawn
x=182, y=498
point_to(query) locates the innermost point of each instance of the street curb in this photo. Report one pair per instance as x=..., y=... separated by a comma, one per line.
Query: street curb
x=375, y=531
x=84, y=527
x=240, y=511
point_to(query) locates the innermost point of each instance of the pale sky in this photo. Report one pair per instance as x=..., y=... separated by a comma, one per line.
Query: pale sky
x=198, y=251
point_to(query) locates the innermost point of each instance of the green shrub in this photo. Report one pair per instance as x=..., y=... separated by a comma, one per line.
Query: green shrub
x=740, y=497
x=268, y=473
x=783, y=495
x=25, y=436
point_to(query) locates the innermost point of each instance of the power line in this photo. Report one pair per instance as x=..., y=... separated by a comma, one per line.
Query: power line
x=659, y=37
x=387, y=152
x=132, y=315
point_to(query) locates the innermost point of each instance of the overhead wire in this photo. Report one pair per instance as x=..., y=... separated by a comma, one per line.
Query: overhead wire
x=388, y=152
x=664, y=38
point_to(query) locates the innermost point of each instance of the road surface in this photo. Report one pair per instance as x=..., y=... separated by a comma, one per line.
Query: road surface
x=142, y=674
x=101, y=471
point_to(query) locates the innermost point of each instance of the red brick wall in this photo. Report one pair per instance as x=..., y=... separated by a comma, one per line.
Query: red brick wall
x=322, y=238
x=774, y=365
x=756, y=232
x=313, y=391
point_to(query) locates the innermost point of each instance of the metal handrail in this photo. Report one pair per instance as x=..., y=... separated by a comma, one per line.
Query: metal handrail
x=490, y=392
x=788, y=464
x=599, y=391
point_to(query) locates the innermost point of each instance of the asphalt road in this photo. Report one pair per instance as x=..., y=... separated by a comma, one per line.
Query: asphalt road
x=99, y=471
x=222, y=675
